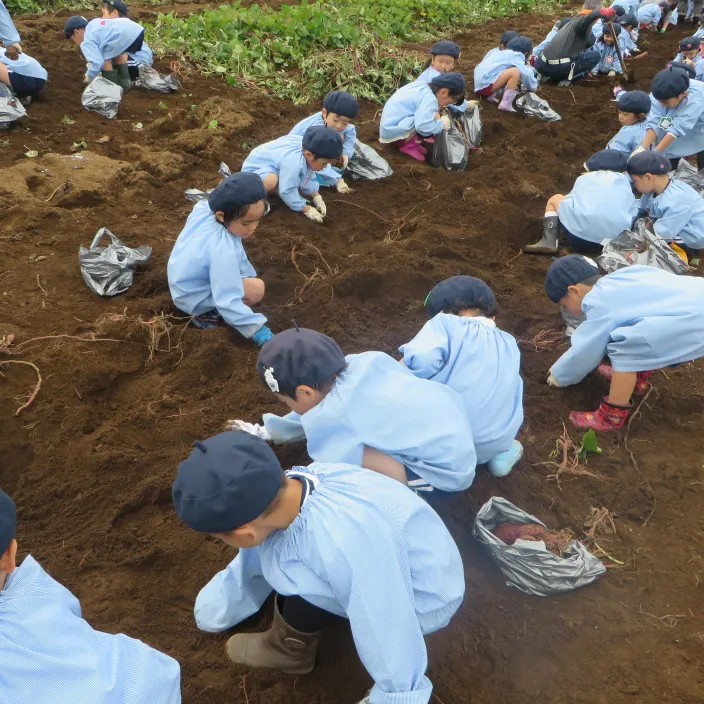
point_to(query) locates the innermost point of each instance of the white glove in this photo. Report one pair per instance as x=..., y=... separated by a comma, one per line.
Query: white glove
x=638, y=150
x=612, y=74
x=319, y=204
x=313, y=214
x=552, y=381
x=342, y=187
x=446, y=122
x=87, y=78
x=252, y=428
x=345, y=161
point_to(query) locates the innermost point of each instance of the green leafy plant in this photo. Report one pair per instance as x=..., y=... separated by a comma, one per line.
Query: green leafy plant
x=589, y=444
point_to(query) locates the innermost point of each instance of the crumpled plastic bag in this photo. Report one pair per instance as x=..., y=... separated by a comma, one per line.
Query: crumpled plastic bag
x=530, y=570
x=11, y=109
x=102, y=96
x=367, y=164
x=471, y=124
x=150, y=79
x=640, y=246
x=572, y=321
x=195, y=194
x=109, y=270
x=688, y=174
x=532, y=105
x=451, y=149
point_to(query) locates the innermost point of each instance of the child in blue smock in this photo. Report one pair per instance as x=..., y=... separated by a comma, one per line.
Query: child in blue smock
x=114, y=9
x=443, y=58
x=339, y=109
x=690, y=53
x=461, y=347
x=609, y=63
x=289, y=164
x=643, y=318
x=633, y=108
x=327, y=539
x=649, y=14
x=600, y=206
x=50, y=655
x=105, y=44
x=209, y=274
x=366, y=409
x=412, y=114
x=9, y=35
x=25, y=75
x=678, y=210
x=675, y=125
x=505, y=70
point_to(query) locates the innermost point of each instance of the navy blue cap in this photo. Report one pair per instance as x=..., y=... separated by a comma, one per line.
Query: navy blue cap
x=564, y=22
x=670, y=83
x=74, y=23
x=236, y=190
x=446, y=49
x=683, y=66
x=120, y=6
x=299, y=357
x=226, y=482
x=461, y=292
x=522, y=44
x=690, y=43
x=629, y=20
x=607, y=160
x=507, y=36
x=322, y=141
x=568, y=271
x=619, y=10
x=613, y=29
x=342, y=103
x=8, y=521
x=454, y=82
x=650, y=162
x=635, y=101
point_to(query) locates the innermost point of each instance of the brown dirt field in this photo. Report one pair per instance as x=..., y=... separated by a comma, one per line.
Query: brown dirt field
x=90, y=462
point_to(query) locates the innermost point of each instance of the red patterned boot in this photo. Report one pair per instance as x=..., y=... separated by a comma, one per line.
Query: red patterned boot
x=607, y=371
x=606, y=417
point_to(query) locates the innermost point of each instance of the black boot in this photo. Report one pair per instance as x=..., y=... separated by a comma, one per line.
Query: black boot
x=548, y=243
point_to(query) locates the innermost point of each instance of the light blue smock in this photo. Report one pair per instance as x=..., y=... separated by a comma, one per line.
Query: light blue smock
x=608, y=58
x=431, y=73
x=105, y=40
x=411, y=108
x=8, y=31
x=494, y=63
x=205, y=271
x=686, y=122
x=284, y=157
x=628, y=138
x=349, y=136
x=698, y=62
x=380, y=404
x=642, y=317
x=699, y=33
x=50, y=655
x=649, y=15
x=600, y=206
x=482, y=364
x=24, y=66
x=679, y=213
x=363, y=547
x=538, y=50
x=143, y=57
x=630, y=6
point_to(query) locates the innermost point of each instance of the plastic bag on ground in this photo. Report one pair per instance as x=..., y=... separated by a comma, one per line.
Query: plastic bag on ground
x=11, y=108
x=688, y=174
x=531, y=104
x=109, y=270
x=530, y=570
x=367, y=164
x=471, y=124
x=150, y=79
x=195, y=194
x=451, y=148
x=102, y=96
x=641, y=246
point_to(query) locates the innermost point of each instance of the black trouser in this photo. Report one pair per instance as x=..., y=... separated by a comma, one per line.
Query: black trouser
x=676, y=160
x=583, y=64
x=136, y=45
x=580, y=246
x=302, y=615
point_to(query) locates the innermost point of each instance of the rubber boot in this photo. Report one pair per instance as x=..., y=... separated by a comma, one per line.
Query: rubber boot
x=548, y=242
x=123, y=71
x=503, y=463
x=607, y=417
x=411, y=147
x=280, y=648
x=607, y=371
x=506, y=103
x=111, y=75
x=493, y=99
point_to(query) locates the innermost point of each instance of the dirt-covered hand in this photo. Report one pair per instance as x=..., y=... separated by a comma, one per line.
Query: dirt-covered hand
x=638, y=150
x=319, y=204
x=312, y=214
x=252, y=428
x=446, y=122
x=612, y=74
x=344, y=160
x=552, y=381
x=342, y=187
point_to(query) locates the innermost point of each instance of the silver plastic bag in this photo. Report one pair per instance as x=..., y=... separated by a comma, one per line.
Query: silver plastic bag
x=367, y=164
x=102, y=96
x=11, y=109
x=531, y=104
x=536, y=572
x=109, y=270
x=471, y=123
x=151, y=79
x=640, y=246
x=572, y=321
x=688, y=174
x=450, y=150
x=195, y=194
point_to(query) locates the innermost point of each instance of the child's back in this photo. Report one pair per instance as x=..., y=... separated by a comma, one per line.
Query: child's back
x=412, y=107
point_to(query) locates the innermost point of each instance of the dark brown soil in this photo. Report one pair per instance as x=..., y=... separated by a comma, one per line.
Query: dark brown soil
x=90, y=462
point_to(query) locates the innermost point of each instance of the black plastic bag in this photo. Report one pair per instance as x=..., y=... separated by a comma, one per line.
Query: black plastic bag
x=151, y=79
x=531, y=104
x=367, y=164
x=471, y=123
x=688, y=174
x=451, y=148
x=109, y=270
x=102, y=96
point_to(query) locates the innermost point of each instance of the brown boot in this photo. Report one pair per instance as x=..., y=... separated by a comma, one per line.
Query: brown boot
x=280, y=648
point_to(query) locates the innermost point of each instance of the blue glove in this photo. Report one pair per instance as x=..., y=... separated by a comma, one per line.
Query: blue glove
x=262, y=335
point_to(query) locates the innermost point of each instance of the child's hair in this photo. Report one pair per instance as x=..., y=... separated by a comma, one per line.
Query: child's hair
x=591, y=280
x=274, y=505
x=322, y=386
x=239, y=212
x=487, y=308
x=453, y=94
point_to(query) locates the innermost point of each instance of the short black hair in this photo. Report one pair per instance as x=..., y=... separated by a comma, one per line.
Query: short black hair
x=591, y=280
x=324, y=385
x=453, y=94
x=238, y=212
x=487, y=308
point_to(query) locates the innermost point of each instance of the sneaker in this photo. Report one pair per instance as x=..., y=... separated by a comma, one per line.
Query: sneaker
x=502, y=464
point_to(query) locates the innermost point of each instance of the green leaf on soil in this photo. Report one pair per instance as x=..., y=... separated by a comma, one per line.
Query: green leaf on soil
x=213, y=125
x=163, y=106
x=589, y=444
x=32, y=154
x=67, y=120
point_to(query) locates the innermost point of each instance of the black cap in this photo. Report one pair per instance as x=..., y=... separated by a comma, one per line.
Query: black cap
x=613, y=30
x=446, y=49
x=607, y=160
x=629, y=20
x=299, y=357
x=461, y=292
x=8, y=521
x=322, y=141
x=670, y=83
x=619, y=10
x=74, y=23
x=507, y=36
x=524, y=45
x=226, y=482
x=568, y=271
x=650, y=162
x=454, y=82
x=682, y=66
x=690, y=43
x=120, y=6
x=236, y=190
x=342, y=103
x=635, y=101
